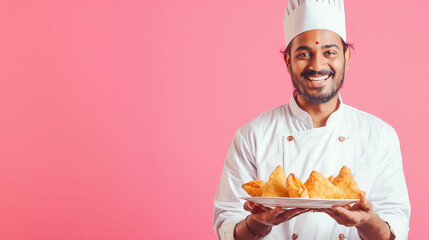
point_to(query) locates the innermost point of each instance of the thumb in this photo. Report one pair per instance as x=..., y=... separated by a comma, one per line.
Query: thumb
x=366, y=205
x=248, y=206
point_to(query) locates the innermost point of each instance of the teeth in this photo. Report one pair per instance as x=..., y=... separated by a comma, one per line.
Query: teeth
x=318, y=79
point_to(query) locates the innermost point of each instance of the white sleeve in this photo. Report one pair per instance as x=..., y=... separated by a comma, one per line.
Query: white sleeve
x=239, y=168
x=389, y=194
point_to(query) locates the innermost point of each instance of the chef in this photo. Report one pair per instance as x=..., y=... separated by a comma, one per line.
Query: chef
x=315, y=130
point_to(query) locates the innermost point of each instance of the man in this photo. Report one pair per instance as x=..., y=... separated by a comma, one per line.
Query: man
x=315, y=131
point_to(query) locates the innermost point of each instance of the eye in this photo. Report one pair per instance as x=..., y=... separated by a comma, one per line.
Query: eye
x=330, y=53
x=303, y=55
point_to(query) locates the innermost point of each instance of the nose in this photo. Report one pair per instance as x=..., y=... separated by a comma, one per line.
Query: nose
x=317, y=62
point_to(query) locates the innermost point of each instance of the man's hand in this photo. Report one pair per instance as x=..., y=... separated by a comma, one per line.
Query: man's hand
x=269, y=216
x=350, y=216
x=362, y=216
x=262, y=219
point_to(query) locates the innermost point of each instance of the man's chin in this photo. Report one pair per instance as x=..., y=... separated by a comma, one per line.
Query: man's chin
x=319, y=98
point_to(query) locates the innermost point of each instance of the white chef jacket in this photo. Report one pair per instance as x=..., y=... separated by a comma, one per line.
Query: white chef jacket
x=362, y=142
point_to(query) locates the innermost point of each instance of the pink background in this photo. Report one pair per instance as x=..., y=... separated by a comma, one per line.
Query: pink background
x=116, y=115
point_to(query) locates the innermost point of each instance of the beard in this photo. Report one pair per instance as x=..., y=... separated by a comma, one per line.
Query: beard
x=317, y=98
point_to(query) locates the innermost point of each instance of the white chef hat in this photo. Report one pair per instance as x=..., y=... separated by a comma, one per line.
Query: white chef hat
x=304, y=15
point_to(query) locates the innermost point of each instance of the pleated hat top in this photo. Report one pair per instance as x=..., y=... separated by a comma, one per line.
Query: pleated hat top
x=304, y=15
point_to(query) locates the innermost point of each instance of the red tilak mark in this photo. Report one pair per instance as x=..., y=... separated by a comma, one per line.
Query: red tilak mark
x=317, y=42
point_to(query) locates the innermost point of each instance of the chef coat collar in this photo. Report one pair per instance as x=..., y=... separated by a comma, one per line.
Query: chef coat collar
x=303, y=116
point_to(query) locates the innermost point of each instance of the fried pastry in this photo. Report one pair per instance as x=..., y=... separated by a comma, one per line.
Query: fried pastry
x=320, y=187
x=254, y=188
x=276, y=185
x=317, y=186
x=347, y=184
x=295, y=187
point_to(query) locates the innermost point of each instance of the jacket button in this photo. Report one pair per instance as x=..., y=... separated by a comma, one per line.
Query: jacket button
x=341, y=236
x=294, y=236
x=341, y=139
x=290, y=138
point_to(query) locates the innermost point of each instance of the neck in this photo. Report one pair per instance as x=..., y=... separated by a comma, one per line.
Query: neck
x=319, y=112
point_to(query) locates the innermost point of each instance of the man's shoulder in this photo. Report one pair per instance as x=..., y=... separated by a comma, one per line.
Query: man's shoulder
x=270, y=119
x=365, y=119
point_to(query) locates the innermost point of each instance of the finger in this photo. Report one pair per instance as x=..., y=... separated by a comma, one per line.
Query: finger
x=272, y=214
x=366, y=205
x=266, y=209
x=334, y=215
x=276, y=212
x=342, y=211
x=289, y=214
x=341, y=218
x=254, y=208
x=331, y=212
x=348, y=207
x=248, y=206
x=271, y=217
x=295, y=212
x=301, y=210
x=320, y=210
x=349, y=218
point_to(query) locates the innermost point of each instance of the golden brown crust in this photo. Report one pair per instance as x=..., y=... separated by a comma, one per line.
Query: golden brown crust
x=254, y=188
x=276, y=185
x=317, y=186
x=347, y=184
x=295, y=187
x=320, y=187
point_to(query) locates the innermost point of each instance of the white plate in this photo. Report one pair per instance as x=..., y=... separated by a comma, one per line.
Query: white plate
x=287, y=202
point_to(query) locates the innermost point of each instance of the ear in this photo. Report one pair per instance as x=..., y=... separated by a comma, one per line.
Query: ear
x=347, y=56
x=286, y=57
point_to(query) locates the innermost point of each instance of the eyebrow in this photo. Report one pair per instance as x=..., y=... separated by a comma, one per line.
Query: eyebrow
x=330, y=46
x=303, y=48
x=307, y=48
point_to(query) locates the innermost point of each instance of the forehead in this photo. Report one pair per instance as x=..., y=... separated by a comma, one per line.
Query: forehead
x=321, y=36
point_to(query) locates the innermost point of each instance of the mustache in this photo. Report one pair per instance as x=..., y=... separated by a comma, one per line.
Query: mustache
x=309, y=73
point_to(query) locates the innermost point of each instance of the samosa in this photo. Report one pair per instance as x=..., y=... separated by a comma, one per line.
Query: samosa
x=255, y=188
x=276, y=185
x=347, y=184
x=320, y=187
x=295, y=187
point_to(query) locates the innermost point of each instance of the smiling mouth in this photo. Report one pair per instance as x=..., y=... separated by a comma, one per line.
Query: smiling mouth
x=318, y=78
